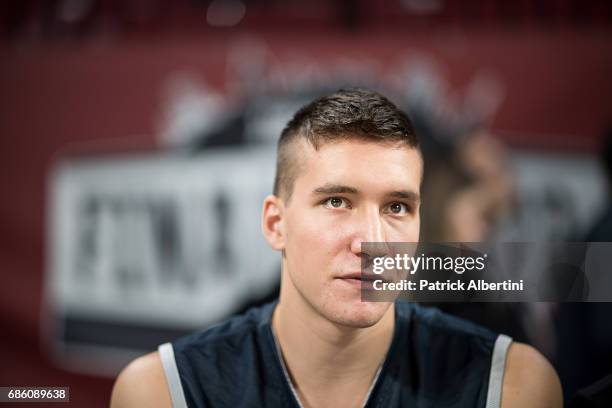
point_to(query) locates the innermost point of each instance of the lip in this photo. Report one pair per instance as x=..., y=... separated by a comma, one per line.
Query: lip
x=360, y=280
x=360, y=276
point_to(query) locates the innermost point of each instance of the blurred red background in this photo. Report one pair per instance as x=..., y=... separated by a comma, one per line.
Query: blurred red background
x=100, y=76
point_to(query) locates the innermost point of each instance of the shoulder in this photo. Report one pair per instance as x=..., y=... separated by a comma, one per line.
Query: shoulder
x=141, y=383
x=232, y=332
x=230, y=344
x=231, y=355
x=529, y=379
x=457, y=353
x=439, y=322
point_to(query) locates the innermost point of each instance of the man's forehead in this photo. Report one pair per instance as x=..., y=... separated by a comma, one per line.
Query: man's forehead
x=355, y=148
x=357, y=164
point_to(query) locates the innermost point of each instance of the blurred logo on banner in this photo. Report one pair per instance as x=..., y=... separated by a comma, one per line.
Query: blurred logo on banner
x=143, y=249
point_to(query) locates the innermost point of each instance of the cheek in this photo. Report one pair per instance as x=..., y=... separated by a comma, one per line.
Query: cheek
x=316, y=238
x=405, y=232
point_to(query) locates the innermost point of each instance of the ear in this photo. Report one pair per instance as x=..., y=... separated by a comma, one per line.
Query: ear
x=272, y=222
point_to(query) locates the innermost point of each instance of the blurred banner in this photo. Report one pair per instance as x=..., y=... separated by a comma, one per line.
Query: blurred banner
x=144, y=248
x=558, y=195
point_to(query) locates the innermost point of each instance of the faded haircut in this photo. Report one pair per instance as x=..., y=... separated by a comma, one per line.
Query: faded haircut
x=344, y=115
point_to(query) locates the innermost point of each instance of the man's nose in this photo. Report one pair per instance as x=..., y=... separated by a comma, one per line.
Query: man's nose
x=370, y=228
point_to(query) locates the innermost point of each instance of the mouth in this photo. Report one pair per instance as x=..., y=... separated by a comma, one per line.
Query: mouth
x=358, y=279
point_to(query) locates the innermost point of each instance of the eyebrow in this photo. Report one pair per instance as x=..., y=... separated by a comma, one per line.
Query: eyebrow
x=334, y=189
x=405, y=195
x=343, y=189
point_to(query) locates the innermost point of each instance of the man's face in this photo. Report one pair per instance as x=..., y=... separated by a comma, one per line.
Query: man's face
x=347, y=193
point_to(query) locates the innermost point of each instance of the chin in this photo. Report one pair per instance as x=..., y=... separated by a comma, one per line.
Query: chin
x=356, y=314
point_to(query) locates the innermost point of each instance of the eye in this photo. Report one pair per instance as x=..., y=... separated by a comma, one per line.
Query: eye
x=336, y=202
x=398, y=208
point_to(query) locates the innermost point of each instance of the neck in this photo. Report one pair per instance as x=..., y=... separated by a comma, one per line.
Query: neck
x=322, y=355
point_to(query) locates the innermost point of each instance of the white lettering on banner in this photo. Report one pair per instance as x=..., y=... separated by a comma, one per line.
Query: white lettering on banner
x=165, y=239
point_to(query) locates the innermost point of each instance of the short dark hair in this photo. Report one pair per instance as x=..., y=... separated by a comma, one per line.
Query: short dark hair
x=342, y=115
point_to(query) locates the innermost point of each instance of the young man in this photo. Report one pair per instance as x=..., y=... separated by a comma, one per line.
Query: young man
x=348, y=171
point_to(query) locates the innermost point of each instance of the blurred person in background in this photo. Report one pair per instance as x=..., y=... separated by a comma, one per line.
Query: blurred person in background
x=585, y=334
x=468, y=189
x=349, y=171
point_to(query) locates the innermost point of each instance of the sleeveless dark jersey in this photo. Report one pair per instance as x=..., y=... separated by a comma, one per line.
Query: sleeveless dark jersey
x=435, y=360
